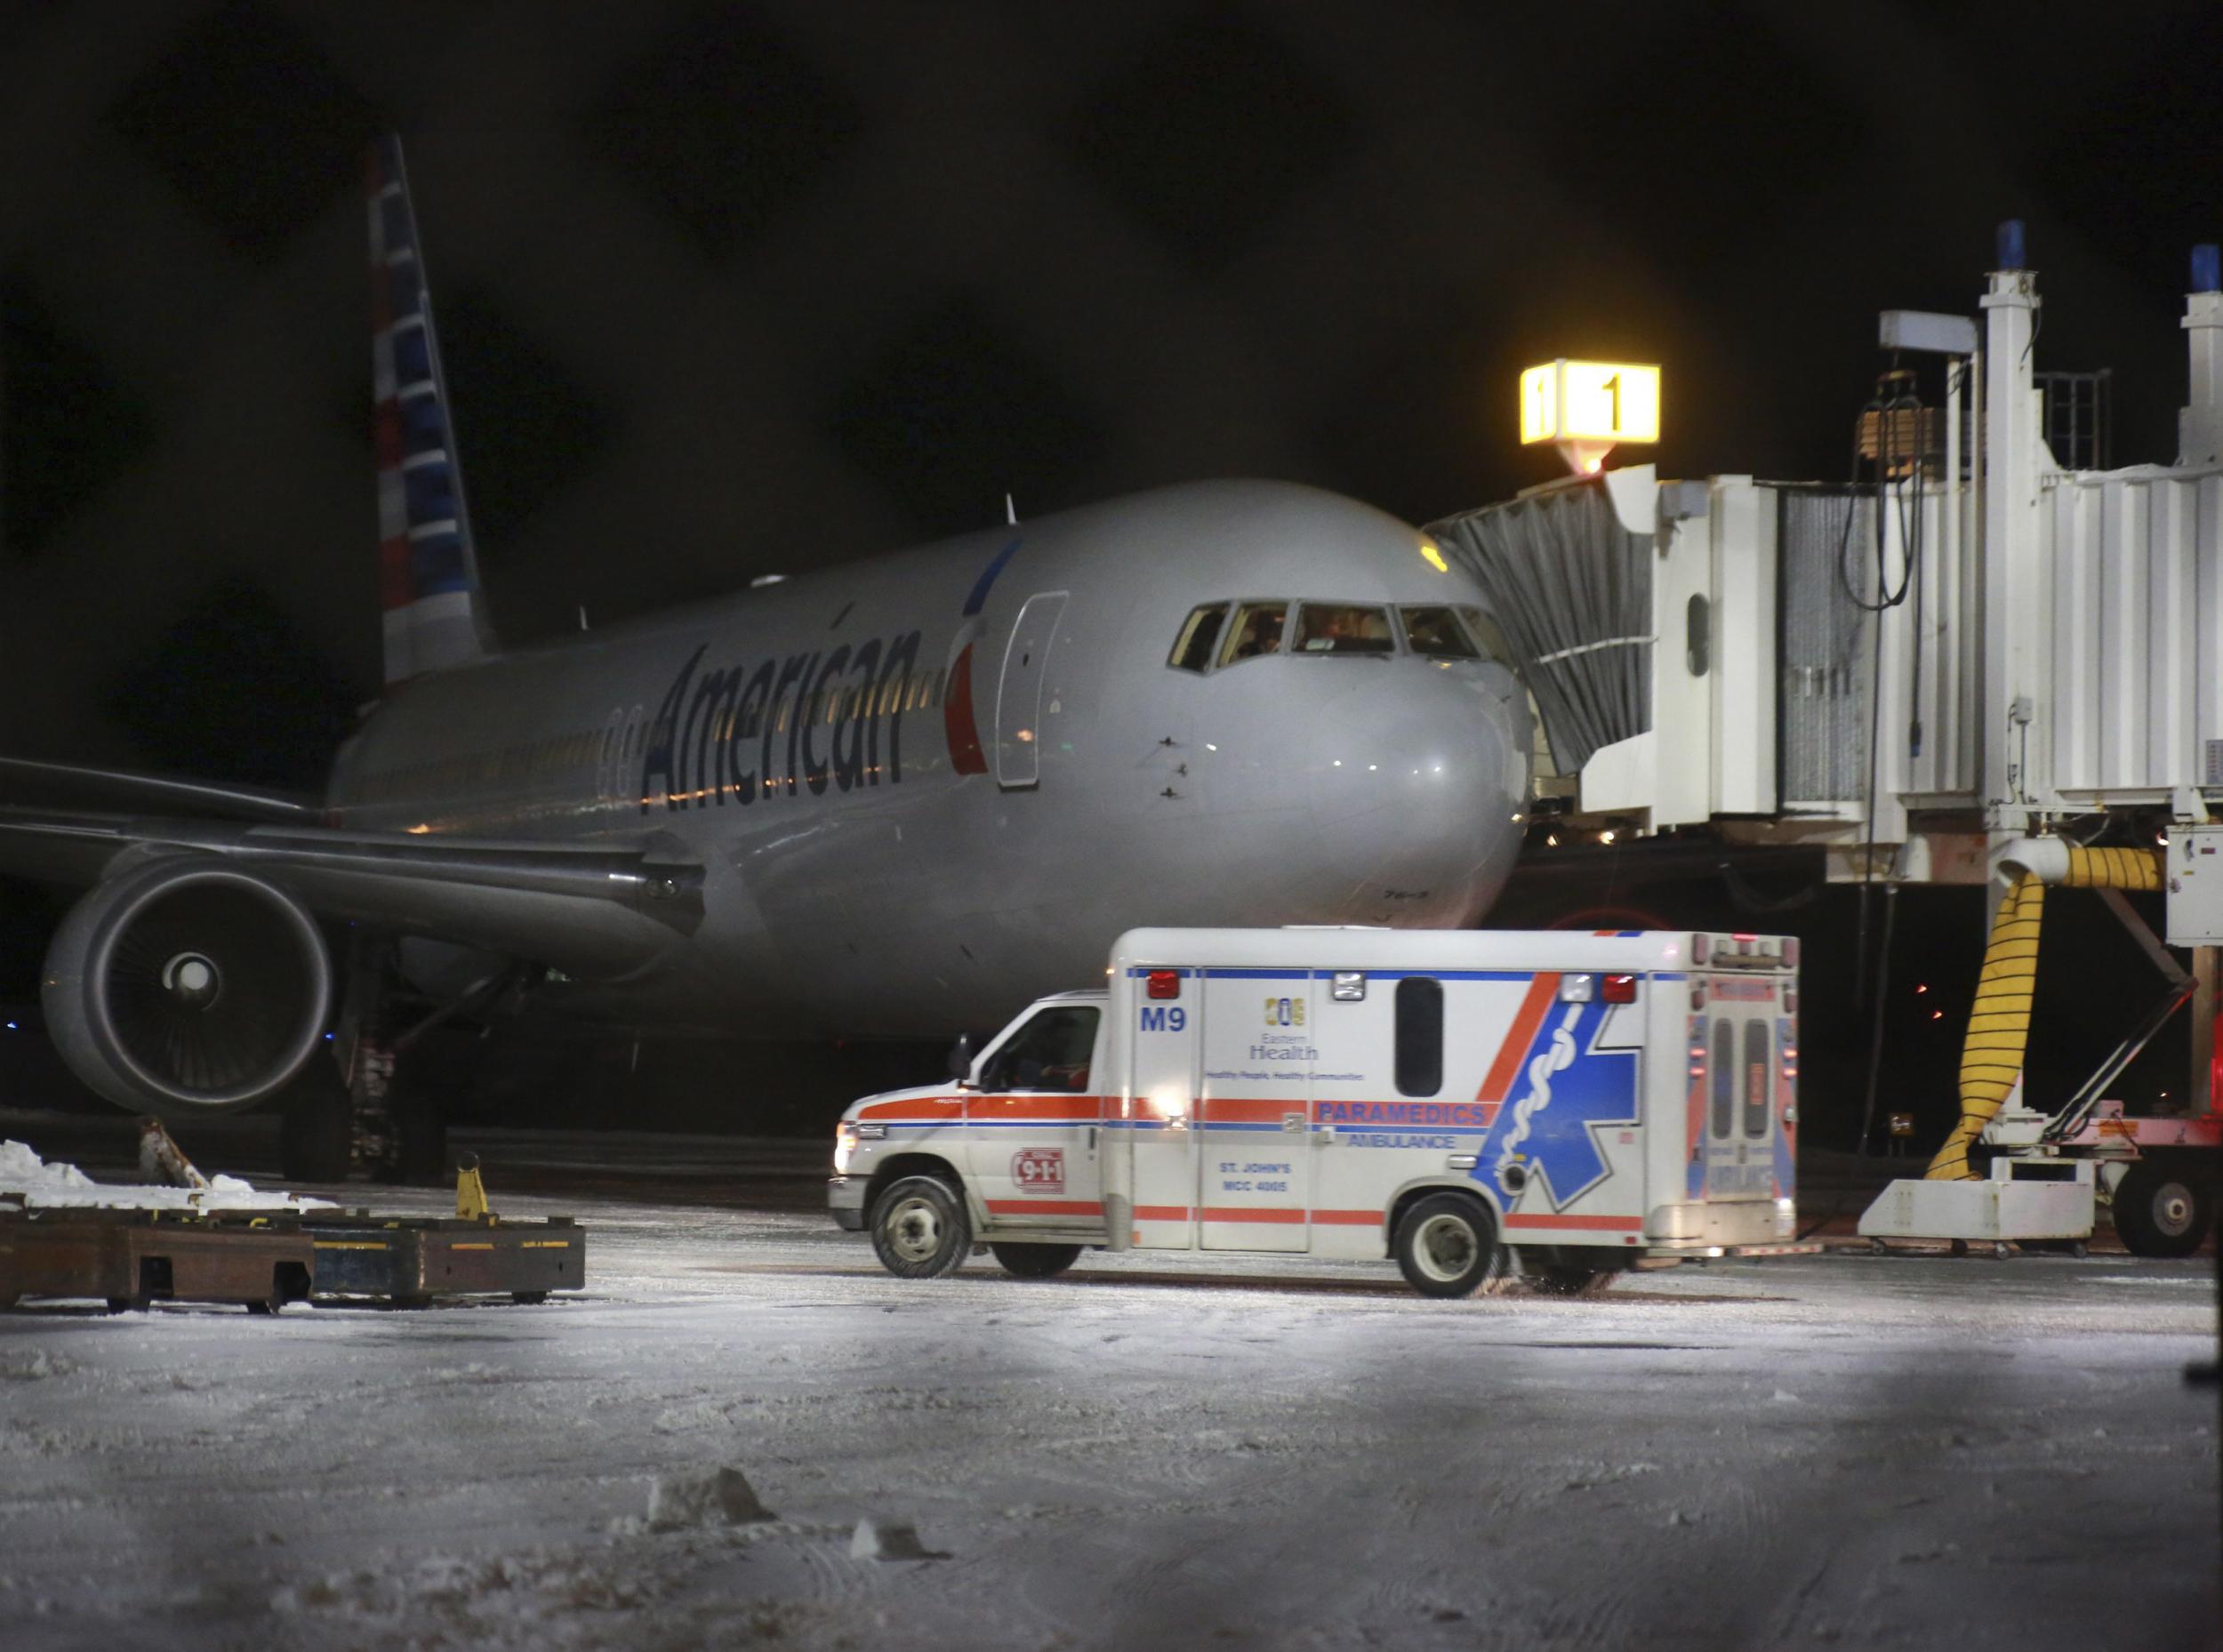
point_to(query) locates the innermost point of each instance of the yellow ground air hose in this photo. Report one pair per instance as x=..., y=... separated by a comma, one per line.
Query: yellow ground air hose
x=1999, y=1022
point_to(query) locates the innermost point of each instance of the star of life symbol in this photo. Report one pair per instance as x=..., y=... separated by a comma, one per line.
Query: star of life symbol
x=1557, y=1058
x=1581, y=1081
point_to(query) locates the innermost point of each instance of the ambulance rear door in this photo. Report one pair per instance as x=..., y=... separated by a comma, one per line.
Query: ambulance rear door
x=1745, y=1055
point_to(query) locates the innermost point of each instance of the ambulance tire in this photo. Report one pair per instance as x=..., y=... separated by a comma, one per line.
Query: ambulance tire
x=1035, y=1261
x=919, y=1229
x=2163, y=1209
x=1446, y=1245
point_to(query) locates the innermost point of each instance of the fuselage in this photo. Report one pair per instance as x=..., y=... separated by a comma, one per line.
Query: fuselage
x=928, y=786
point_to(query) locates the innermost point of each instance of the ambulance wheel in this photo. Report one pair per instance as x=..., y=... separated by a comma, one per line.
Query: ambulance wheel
x=1446, y=1245
x=919, y=1229
x=1036, y=1262
x=2160, y=1210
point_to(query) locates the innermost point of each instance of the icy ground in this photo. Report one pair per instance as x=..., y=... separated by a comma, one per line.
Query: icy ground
x=1159, y=1454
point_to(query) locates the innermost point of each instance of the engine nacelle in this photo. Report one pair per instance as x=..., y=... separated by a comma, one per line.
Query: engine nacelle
x=186, y=984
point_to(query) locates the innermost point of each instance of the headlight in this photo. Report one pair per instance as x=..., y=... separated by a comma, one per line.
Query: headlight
x=846, y=1135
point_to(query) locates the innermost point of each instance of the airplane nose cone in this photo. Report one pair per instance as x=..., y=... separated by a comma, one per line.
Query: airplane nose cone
x=1413, y=780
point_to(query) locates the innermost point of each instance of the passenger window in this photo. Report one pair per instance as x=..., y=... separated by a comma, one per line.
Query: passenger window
x=1436, y=634
x=1052, y=1052
x=1725, y=1115
x=1419, y=1035
x=1759, y=1047
x=1192, y=649
x=1256, y=630
x=1342, y=628
x=1486, y=634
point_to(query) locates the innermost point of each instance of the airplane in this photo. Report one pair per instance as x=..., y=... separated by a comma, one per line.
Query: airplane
x=898, y=797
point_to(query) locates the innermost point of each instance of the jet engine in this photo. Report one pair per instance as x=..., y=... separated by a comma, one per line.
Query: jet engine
x=186, y=984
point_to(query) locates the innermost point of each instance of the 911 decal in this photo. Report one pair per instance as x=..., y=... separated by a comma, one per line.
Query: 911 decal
x=1039, y=1170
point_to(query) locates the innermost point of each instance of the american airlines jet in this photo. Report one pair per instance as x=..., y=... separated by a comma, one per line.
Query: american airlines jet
x=898, y=797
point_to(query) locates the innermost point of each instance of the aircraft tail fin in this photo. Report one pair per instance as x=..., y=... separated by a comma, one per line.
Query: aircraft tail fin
x=428, y=563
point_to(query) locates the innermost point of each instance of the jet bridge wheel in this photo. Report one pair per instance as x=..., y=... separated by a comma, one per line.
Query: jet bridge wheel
x=1446, y=1245
x=919, y=1229
x=1035, y=1261
x=2163, y=1208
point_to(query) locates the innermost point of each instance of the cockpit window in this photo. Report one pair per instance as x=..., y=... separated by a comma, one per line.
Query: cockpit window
x=1495, y=647
x=1436, y=634
x=1256, y=630
x=1193, y=649
x=1342, y=627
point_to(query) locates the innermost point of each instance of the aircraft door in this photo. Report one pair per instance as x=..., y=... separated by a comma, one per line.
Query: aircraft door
x=1155, y=1121
x=1026, y=659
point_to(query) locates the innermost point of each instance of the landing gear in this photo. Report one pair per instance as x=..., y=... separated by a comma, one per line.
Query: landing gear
x=358, y=1113
x=317, y=1126
x=417, y=1152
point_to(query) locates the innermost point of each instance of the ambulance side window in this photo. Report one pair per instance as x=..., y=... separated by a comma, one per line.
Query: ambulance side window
x=1419, y=1035
x=1724, y=1117
x=1758, y=1049
x=1052, y=1052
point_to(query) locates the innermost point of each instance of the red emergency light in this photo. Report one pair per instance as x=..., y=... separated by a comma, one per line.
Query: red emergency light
x=1617, y=988
x=1164, y=984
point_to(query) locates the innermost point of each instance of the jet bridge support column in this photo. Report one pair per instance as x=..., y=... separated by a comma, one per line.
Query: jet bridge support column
x=2016, y=736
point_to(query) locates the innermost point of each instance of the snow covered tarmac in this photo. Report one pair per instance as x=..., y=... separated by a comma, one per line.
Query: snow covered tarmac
x=1148, y=1453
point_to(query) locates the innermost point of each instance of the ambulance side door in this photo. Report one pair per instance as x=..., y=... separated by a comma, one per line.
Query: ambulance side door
x=1254, y=1186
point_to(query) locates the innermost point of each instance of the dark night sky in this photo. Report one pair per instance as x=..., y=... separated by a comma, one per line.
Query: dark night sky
x=732, y=289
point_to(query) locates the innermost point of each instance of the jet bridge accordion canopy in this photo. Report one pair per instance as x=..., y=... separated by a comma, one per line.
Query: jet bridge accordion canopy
x=1571, y=588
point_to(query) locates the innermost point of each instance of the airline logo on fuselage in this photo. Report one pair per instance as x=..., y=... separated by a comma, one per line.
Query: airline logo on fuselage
x=810, y=720
x=806, y=722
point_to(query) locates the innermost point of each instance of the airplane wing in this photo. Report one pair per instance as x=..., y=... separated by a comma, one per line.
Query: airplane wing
x=24, y=777
x=193, y=972
x=591, y=910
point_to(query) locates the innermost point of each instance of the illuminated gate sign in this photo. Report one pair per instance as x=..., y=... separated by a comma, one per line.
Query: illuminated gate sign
x=1587, y=407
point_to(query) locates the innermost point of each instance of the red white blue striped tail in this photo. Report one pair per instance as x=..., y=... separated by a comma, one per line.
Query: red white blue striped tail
x=427, y=567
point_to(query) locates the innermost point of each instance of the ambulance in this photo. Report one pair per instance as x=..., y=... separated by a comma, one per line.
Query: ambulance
x=1476, y=1104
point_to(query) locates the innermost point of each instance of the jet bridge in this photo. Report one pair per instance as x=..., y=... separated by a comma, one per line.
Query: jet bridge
x=1906, y=670
x=1970, y=645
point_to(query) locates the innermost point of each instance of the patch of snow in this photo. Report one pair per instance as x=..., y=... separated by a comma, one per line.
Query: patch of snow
x=29, y=1182
x=883, y=1539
